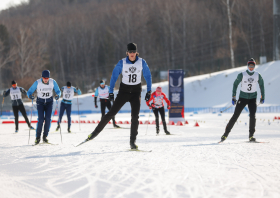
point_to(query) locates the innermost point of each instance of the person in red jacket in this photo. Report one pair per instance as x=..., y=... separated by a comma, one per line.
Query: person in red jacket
x=157, y=105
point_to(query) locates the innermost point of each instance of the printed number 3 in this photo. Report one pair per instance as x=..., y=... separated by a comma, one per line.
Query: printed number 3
x=250, y=87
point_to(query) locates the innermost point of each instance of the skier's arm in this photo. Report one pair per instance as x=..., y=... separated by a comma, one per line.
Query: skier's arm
x=261, y=83
x=32, y=89
x=151, y=98
x=56, y=88
x=6, y=93
x=166, y=99
x=95, y=96
x=236, y=83
x=116, y=72
x=77, y=91
x=23, y=91
x=147, y=75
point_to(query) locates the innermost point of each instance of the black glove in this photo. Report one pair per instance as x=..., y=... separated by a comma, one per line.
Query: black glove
x=111, y=96
x=261, y=101
x=31, y=97
x=148, y=96
x=233, y=100
x=77, y=88
x=4, y=93
x=56, y=97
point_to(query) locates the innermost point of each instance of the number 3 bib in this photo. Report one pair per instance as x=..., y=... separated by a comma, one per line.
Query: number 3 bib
x=131, y=73
x=249, y=83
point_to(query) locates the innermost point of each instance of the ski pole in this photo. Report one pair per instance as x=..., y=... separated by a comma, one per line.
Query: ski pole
x=2, y=105
x=30, y=120
x=78, y=113
x=148, y=121
x=59, y=123
x=226, y=108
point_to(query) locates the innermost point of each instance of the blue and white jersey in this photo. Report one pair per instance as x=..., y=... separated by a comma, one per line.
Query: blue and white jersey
x=131, y=73
x=102, y=93
x=15, y=93
x=44, y=91
x=68, y=94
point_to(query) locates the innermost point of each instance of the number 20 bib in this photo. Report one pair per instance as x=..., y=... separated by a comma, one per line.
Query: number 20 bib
x=45, y=91
x=131, y=73
x=249, y=83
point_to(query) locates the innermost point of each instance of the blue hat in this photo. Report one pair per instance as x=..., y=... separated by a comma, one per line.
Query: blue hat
x=46, y=74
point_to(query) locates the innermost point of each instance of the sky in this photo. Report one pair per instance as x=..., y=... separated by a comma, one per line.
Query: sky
x=4, y=4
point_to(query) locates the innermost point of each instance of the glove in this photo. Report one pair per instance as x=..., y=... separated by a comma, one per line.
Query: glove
x=233, y=100
x=31, y=97
x=96, y=106
x=111, y=96
x=152, y=106
x=148, y=96
x=261, y=101
x=4, y=92
x=56, y=97
x=77, y=88
x=168, y=107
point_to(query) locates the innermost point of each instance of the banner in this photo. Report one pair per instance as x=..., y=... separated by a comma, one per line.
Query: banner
x=176, y=95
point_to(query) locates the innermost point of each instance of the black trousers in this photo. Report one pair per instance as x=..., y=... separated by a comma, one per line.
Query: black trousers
x=20, y=108
x=241, y=103
x=121, y=99
x=106, y=103
x=161, y=111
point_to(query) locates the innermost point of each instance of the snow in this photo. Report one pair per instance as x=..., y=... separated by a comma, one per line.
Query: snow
x=189, y=163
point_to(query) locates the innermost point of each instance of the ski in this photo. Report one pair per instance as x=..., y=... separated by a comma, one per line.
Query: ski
x=137, y=150
x=44, y=143
x=81, y=143
x=255, y=142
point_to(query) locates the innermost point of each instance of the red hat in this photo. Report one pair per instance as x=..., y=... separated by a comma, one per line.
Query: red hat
x=159, y=89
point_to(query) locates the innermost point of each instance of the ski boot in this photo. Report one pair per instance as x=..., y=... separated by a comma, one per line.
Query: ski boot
x=16, y=131
x=45, y=140
x=223, y=138
x=252, y=139
x=69, y=131
x=167, y=132
x=37, y=141
x=116, y=126
x=91, y=136
x=133, y=145
x=157, y=130
x=58, y=126
x=31, y=127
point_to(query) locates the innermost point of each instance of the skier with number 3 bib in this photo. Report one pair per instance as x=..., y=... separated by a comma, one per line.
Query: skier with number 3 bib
x=66, y=104
x=130, y=89
x=44, y=87
x=250, y=81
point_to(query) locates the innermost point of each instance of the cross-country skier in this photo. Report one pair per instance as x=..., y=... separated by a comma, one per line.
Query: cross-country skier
x=158, y=107
x=16, y=96
x=66, y=104
x=250, y=80
x=103, y=93
x=130, y=89
x=44, y=87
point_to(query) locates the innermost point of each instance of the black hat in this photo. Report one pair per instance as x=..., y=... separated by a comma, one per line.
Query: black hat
x=14, y=82
x=131, y=46
x=102, y=81
x=251, y=61
x=68, y=84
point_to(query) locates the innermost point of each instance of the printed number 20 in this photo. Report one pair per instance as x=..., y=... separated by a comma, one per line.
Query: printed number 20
x=250, y=87
x=133, y=79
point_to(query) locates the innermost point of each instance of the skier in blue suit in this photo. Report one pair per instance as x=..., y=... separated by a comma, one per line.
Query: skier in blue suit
x=44, y=87
x=66, y=104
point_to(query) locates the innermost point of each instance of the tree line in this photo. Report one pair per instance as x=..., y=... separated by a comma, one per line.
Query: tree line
x=82, y=40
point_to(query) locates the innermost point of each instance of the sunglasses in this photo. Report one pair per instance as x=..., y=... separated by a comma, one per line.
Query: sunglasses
x=102, y=83
x=131, y=51
x=45, y=78
x=250, y=66
x=14, y=85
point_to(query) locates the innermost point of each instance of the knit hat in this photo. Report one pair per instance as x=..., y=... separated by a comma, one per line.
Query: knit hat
x=102, y=82
x=132, y=46
x=14, y=82
x=158, y=89
x=68, y=84
x=251, y=61
x=46, y=74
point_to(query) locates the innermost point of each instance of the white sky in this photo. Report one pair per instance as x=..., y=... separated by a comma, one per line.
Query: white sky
x=4, y=4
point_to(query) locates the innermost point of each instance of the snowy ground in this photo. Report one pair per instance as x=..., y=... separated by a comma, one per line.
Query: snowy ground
x=189, y=163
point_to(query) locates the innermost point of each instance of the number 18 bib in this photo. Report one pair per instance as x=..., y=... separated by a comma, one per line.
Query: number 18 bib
x=249, y=83
x=132, y=72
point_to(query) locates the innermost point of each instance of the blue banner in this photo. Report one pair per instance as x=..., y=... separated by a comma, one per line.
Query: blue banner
x=176, y=94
